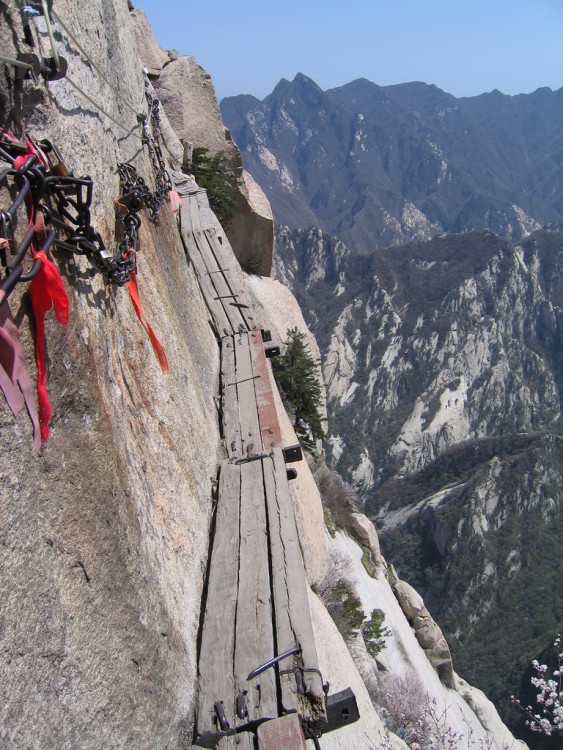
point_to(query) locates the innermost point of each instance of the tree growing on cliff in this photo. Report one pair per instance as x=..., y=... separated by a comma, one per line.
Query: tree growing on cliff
x=296, y=373
x=216, y=175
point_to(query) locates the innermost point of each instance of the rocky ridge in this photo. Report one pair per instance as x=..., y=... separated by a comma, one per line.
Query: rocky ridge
x=383, y=165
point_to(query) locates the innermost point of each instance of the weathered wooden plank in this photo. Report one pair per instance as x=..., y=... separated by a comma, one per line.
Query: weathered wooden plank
x=248, y=414
x=267, y=413
x=291, y=605
x=232, y=275
x=216, y=678
x=194, y=211
x=242, y=741
x=223, y=296
x=285, y=732
x=229, y=398
x=232, y=278
x=285, y=637
x=254, y=628
x=232, y=291
x=205, y=216
x=221, y=321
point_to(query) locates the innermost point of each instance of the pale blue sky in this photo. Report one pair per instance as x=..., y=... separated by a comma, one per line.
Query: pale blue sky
x=465, y=48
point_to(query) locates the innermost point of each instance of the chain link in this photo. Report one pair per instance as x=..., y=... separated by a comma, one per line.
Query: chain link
x=66, y=200
x=162, y=178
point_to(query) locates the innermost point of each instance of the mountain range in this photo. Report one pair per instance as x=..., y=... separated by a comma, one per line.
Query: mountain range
x=382, y=165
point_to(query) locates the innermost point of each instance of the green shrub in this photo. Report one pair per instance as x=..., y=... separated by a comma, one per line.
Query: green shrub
x=329, y=522
x=345, y=609
x=216, y=175
x=374, y=632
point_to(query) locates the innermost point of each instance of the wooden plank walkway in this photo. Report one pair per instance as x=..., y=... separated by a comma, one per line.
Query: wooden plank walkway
x=257, y=607
x=256, y=603
x=224, y=294
x=250, y=422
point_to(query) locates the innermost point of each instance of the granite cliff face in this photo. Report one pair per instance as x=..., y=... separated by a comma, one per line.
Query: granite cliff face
x=382, y=165
x=104, y=534
x=443, y=369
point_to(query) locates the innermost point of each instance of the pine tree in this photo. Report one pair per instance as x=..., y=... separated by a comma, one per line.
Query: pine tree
x=297, y=376
x=216, y=175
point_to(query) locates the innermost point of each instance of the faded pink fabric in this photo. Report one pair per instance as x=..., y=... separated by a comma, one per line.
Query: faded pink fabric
x=14, y=377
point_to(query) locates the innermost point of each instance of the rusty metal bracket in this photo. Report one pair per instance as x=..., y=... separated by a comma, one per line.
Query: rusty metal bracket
x=292, y=453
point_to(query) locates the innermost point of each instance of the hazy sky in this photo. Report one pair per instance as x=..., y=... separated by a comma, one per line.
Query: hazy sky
x=465, y=48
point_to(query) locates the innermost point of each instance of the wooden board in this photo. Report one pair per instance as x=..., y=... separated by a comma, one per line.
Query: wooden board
x=224, y=294
x=248, y=413
x=291, y=604
x=232, y=278
x=254, y=628
x=242, y=741
x=229, y=400
x=263, y=387
x=194, y=211
x=237, y=305
x=216, y=678
x=221, y=287
x=221, y=321
x=205, y=215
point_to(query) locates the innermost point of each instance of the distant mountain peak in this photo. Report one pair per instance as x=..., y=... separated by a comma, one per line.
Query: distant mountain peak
x=302, y=87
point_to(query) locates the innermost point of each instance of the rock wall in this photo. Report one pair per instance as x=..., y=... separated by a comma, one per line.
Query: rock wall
x=104, y=534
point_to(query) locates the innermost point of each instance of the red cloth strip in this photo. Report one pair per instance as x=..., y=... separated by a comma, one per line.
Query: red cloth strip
x=47, y=291
x=156, y=345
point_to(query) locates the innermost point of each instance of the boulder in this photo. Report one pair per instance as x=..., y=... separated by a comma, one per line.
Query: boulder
x=426, y=631
x=251, y=231
x=409, y=599
x=441, y=659
x=154, y=58
x=364, y=531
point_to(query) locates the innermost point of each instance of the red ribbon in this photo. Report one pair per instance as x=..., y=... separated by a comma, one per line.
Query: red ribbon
x=156, y=345
x=47, y=291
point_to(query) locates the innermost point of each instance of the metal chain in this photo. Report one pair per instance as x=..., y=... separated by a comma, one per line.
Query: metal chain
x=135, y=193
x=65, y=202
x=162, y=178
